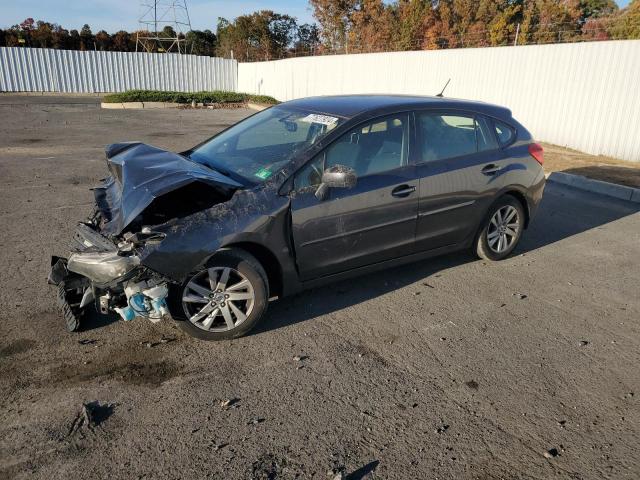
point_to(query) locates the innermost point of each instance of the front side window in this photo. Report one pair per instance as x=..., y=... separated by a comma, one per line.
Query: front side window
x=256, y=148
x=373, y=148
x=448, y=136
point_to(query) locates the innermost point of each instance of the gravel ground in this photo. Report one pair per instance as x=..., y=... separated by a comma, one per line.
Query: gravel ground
x=452, y=368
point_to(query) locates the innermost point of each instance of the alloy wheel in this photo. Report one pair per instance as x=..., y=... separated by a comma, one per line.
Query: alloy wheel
x=218, y=299
x=503, y=229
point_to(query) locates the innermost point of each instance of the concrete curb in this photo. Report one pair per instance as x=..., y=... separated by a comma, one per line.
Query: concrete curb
x=621, y=192
x=258, y=106
x=138, y=105
x=156, y=105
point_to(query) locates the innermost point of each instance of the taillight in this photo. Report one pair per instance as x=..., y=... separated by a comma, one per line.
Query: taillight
x=537, y=152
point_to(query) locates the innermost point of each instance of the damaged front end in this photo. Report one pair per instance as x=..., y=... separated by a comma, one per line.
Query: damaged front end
x=108, y=276
x=147, y=186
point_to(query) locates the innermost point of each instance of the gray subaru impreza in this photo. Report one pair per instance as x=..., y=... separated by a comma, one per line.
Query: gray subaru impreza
x=299, y=195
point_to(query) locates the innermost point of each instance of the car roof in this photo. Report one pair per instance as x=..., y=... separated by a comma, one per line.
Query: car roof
x=348, y=106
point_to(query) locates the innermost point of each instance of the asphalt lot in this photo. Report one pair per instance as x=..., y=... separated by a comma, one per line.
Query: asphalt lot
x=451, y=368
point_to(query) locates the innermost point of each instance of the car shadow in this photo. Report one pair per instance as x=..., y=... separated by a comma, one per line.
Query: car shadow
x=94, y=320
x=563, y=213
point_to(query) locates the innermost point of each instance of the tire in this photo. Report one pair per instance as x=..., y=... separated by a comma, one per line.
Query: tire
x=71, y=312
x=488, y=244
x=232, y=290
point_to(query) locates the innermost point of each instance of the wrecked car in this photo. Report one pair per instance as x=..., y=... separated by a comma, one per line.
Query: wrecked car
x=299, y=195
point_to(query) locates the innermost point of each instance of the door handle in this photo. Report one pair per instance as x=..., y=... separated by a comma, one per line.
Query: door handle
x=403, y=191
x=491, y=169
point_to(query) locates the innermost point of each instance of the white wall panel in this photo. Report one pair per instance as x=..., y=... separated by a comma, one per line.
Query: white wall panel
x=584, y=96
x=47, y=70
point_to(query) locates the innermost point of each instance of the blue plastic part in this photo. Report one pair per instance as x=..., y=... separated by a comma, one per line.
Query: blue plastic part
x=127, y=314
x=136, y=302
x=158, y=304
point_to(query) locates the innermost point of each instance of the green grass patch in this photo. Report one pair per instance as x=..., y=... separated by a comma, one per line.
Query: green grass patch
x=187, y=97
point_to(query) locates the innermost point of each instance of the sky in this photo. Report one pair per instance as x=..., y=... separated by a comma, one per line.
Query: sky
x=114, y=15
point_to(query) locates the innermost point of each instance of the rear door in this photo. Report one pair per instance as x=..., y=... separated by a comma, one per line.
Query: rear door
x=460, y=163
x=370, y=223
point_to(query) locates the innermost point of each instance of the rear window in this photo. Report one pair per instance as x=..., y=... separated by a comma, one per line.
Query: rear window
x=505, y=133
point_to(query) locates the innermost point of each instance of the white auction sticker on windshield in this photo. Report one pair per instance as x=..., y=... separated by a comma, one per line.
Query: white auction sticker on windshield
x=321, y=119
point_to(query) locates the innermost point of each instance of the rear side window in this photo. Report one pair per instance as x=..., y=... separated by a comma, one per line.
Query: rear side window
x=448, y=136
x=486, y=140
x=505, y=133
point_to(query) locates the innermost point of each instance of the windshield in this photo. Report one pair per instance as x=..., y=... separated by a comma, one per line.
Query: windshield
x=259, y=146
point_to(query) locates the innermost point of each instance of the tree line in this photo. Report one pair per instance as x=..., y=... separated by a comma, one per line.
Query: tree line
x=357, y=26
x=43, y=34
x=374, y=25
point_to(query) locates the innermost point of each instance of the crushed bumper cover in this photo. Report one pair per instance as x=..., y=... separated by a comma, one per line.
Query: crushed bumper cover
x=98, y=275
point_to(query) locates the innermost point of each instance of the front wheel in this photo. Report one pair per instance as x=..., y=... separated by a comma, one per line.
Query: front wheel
x=224, y=300
x=501, y=230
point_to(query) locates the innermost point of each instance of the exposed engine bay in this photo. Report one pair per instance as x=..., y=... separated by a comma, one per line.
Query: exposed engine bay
x=147, y=186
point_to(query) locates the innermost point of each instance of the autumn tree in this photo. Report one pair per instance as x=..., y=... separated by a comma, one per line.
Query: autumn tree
x=103, y=41
x=440, y=29
x=597, y=8
x=334, y=17
x=41, y=35
x=28, y=25
x=411, y=19
x=201, y=42
x=86, y=38
x=627, y=23
x=503, y=27
x=371, y=25
x=122, y=42
x=307, y=38
x=558, y=21
x=263, y=35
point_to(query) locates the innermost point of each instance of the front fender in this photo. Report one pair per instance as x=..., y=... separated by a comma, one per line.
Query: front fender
x=192, y=240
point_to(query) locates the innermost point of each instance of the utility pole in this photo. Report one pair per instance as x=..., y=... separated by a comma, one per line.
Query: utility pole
x=156, y=17
x=515, y=42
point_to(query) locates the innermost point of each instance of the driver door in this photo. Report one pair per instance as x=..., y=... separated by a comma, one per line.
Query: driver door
x=369, y=223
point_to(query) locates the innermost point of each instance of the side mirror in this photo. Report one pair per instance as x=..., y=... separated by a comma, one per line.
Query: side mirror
x=337, y=176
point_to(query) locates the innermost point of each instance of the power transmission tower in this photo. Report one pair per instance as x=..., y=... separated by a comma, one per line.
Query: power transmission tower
x=163, y=26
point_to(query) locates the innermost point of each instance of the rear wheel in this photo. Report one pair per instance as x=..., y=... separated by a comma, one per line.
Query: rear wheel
x=224, y=300
x=501, y=230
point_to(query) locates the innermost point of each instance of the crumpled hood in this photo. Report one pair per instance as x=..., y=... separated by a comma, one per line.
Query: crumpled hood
x=141, y=173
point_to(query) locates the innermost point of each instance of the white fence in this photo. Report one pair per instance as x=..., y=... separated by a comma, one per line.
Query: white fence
x=46, y=70
x=584, y=96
